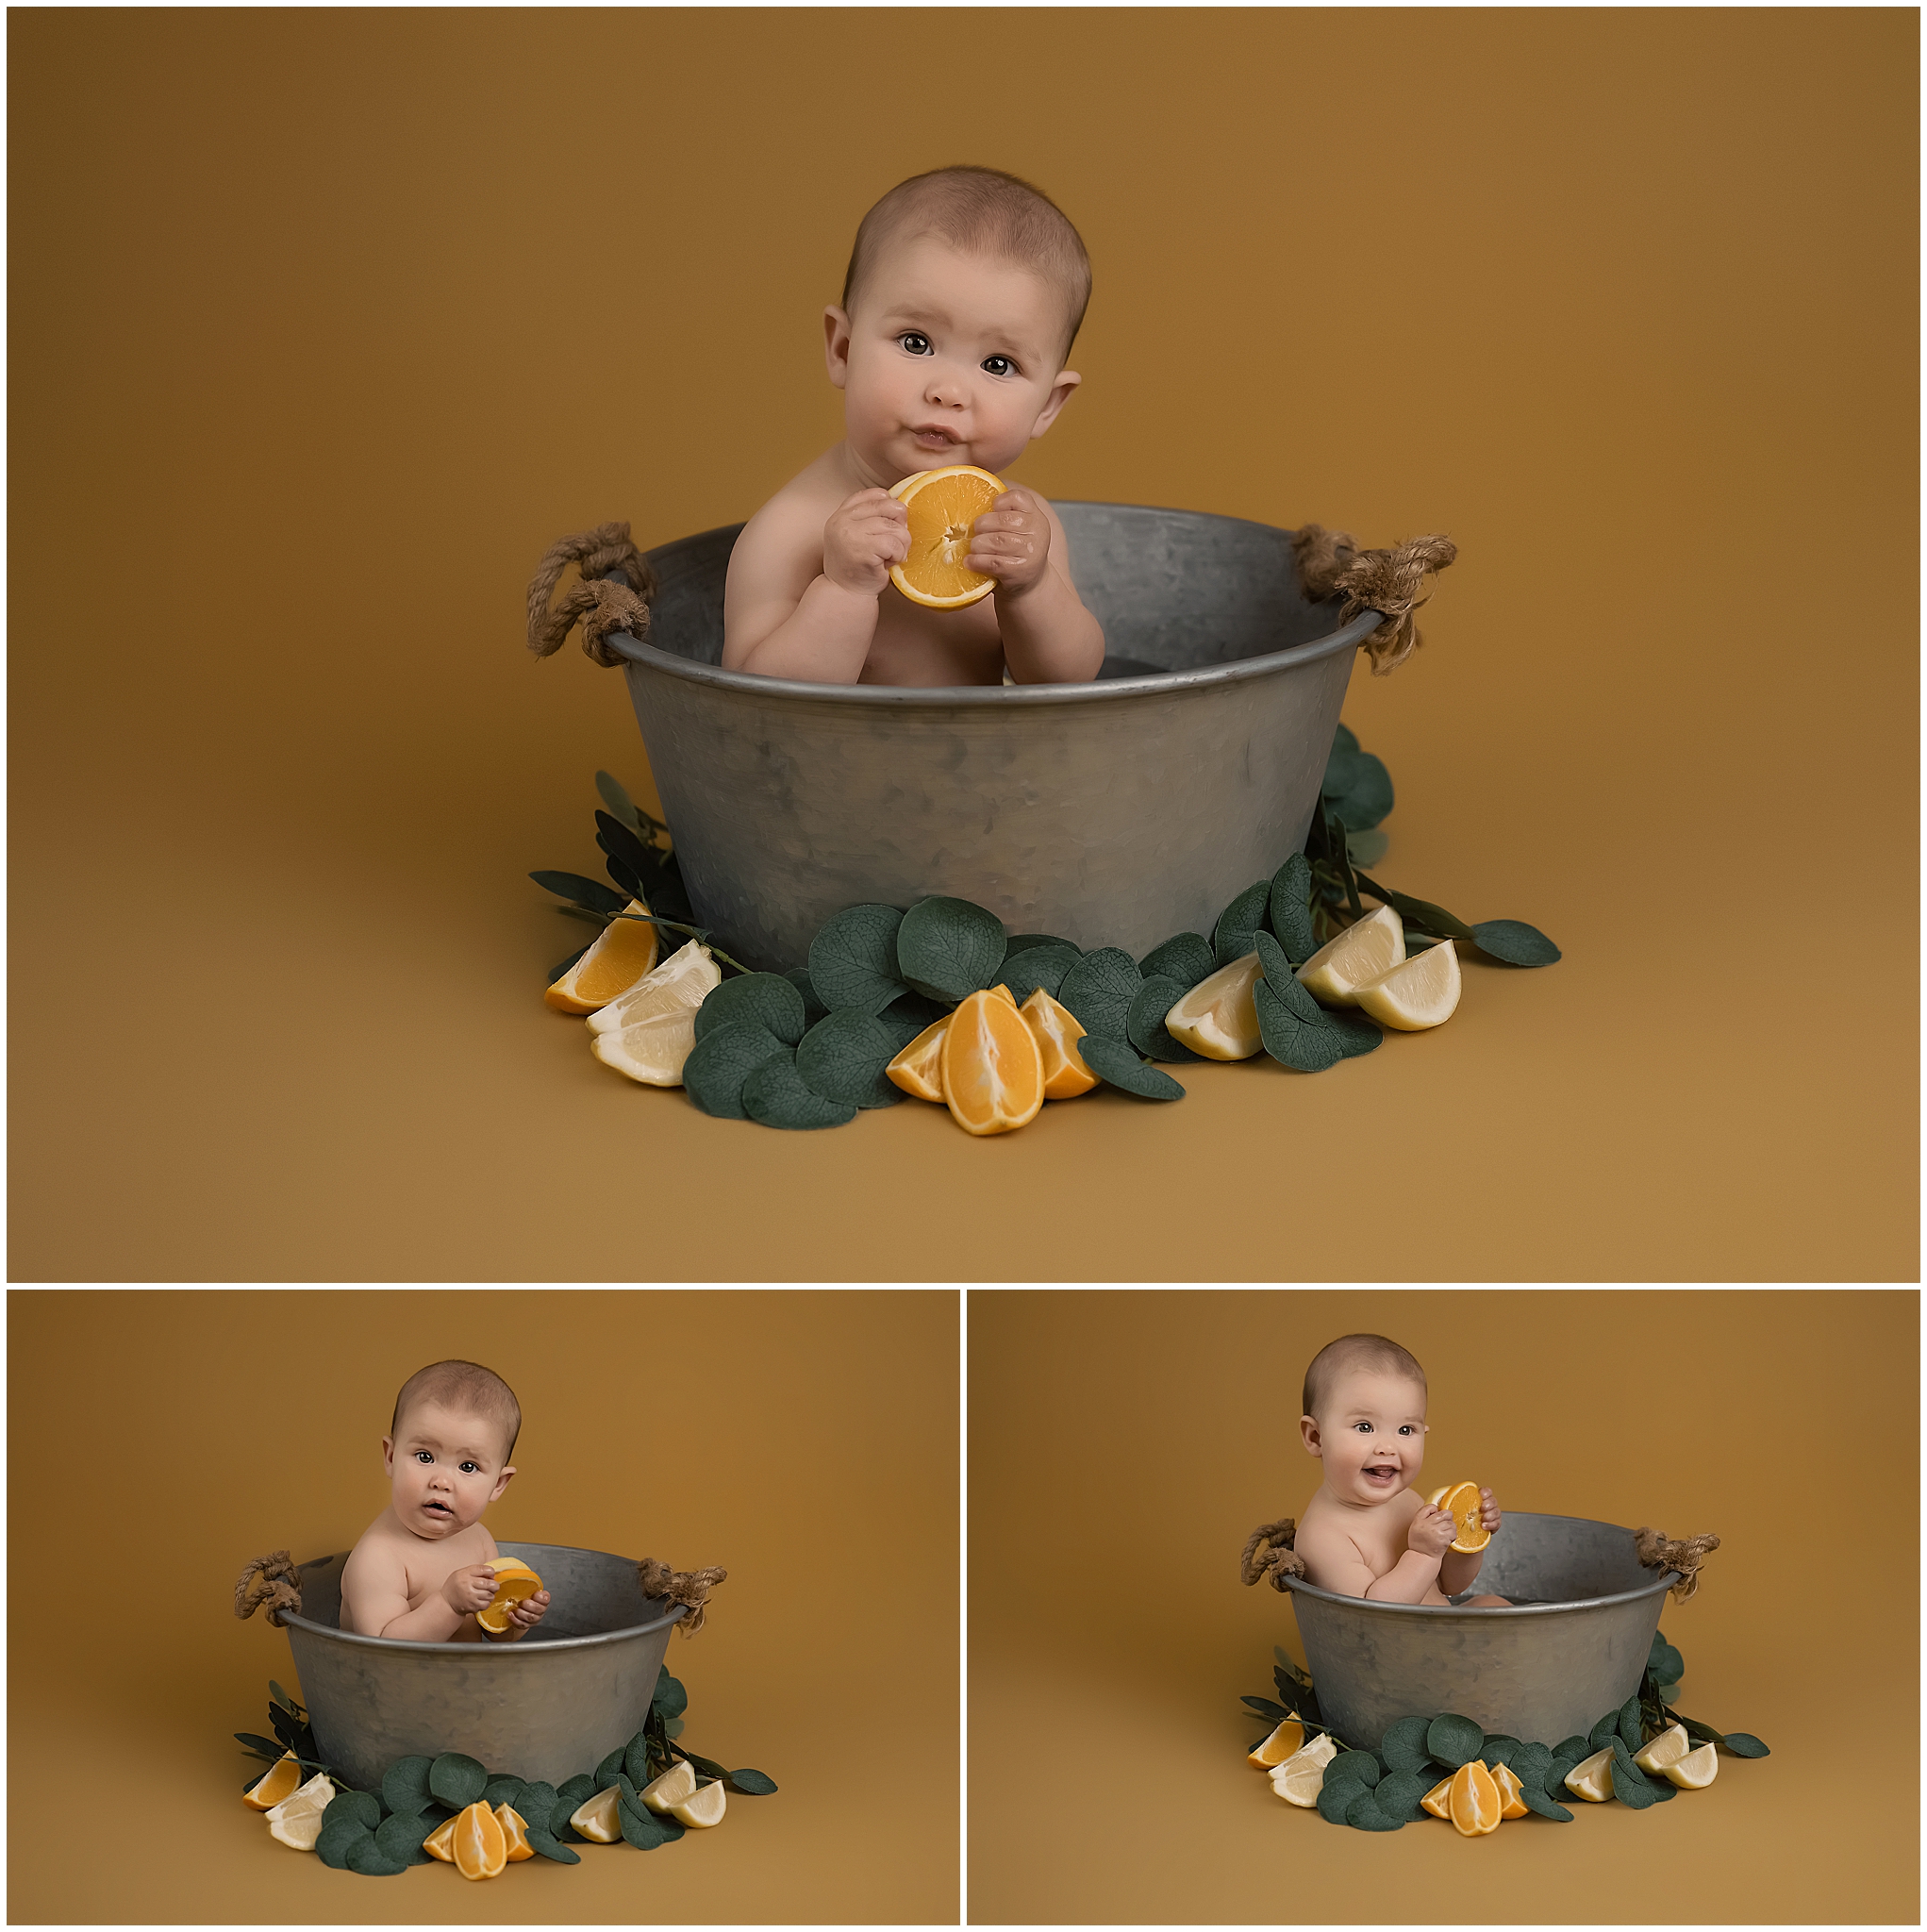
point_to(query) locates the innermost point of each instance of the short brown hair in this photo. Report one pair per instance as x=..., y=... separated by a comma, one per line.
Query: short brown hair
x=466, y=1385
x=982, y=211
x=1357, y=1352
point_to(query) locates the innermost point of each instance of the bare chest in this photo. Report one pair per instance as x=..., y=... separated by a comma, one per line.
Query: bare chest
x=913, y=645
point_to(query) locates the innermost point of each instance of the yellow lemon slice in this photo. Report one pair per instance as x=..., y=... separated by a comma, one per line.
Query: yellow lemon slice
x=1219, y=1017
x=599, y=1818
x=282, y=1777
x=703, y=1809
x=514, y=1580
x=652, y=1051
x=1695, y=1771
x=1667, y=1748
x=1421, y=993
x=1593, y=1779
x=621, y=958
x=1281, y=1744
x=683, y=980
x=678, y=1783
x=1299, y=1782
x=941, y=505
x=1375, y=944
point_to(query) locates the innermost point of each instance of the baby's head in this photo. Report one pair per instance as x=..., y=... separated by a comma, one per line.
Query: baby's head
x=1364, y=1417
x=447, y=1450
x=965, y=292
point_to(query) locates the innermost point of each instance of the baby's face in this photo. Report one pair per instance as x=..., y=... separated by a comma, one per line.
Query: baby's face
x=446, y=1467
x=948, y=359
x=1371, y=1437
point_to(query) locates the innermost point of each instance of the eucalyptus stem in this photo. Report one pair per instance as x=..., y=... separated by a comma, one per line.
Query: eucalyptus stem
x=695, y=932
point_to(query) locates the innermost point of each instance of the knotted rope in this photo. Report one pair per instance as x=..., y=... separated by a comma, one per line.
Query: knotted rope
x=689, y=1587
x=1388, y=581
x=1657, y=1552
x=1268, y=1552
x=272, y=1580
x=600, y=603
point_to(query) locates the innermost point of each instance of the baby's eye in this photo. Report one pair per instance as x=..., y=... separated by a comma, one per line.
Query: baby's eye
x=423, y=1456
x=1406, y=1429
x=914, y=345
x=1000, y=365
x=1364, y=1428
x=472, y=1469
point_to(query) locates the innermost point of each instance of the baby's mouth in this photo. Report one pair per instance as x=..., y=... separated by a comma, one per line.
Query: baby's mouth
x=1381, y=1473
x=437, y=1509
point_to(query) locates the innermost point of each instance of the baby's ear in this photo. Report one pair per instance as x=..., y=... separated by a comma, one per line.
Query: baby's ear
x=388, y=1453
x=1307, y=1429
x=501, y=1482
x=837, y=344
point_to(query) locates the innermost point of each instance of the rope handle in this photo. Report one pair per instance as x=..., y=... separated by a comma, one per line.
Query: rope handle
x=1268, y=1552
x=689, y=1587
x=270, y=1582
x=1388, y=581
x=602, y=603
x=1657, y=1552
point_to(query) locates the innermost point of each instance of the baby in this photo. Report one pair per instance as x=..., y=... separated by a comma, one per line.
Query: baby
x=965, y=292
x=421, y=1571
x=1368, y=1532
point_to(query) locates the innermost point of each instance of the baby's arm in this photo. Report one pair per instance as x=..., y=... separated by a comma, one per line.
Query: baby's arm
x=1457, y=1572
x=801, y=602
x=1049, y=637
x=374, y=1591
x=1333, y=1562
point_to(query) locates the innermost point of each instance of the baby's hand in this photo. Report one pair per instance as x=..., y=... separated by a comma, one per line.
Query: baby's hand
x=528, y=1612
x=1011, y=542
x=866, y=534
x=1431, y=1533
x=470, y=1588
x=1488, y=1512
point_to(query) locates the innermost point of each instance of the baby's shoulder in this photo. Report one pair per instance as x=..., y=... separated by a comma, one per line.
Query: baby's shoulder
x=795, y=516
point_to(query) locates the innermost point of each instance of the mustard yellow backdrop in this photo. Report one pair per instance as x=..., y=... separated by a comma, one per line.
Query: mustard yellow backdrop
x=325, y=323
x=1124, y=1444
x=806, y=1442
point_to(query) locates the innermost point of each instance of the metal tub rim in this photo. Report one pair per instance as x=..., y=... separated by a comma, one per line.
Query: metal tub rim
x=1666, y=1580
x=964, y=695
x=547, y=1647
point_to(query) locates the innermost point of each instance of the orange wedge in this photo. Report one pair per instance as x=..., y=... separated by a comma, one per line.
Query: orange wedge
x=480, y=1845
x=1511, y=1804
x=1278, y=1746
x=514, y=1580
x=993, y=1071
x=941, y=505
x=622, y=956
x=282, y=1778
x=1437, y=1800
x=1473, y=1802
x=514, y=1833
x=1057, y=1033
x=440, y=1843
x=919, y=1069
x=1460, y=1501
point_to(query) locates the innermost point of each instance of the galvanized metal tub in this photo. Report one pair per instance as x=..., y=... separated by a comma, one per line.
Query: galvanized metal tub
x=1112, y=813
x=556, y=1701
x=1542, y=1671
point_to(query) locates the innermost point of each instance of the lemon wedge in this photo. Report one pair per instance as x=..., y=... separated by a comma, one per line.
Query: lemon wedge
x=1299, y=1783
x=704, y=1808
x=598, y=1817
x=1421, y=993
x=685, y=979
x=1593, y=1779
x=652, y=1051
x=678, y=1783
x=1695, y=1771
x=296, y=1820
x=1219, y=1017
x=1374, y=946
x=1667, y=1748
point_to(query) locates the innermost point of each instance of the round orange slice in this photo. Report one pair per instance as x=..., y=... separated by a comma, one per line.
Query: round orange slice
x=622, y=956
x=1057, y=1033
x=480, y=1845
x=1460, y=1501
x=514, y=1580
x=1474, y=1802
x=993, y=1071
x=941, y=505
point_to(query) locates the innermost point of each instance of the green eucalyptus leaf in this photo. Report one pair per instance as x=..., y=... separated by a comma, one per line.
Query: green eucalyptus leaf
x=1113, y=1061
x=618, y=801
x=910, y=1012
x=504, y=1789
x=1452, y=1740
x=1358, y=789
x=1099, y=990
x=1517, y=944
x=1629, y=1723
x=363, y=1807
x=1036, y=966
x=1344, y=739
x=1574, y=1749
x=401, y=1835
x=1306, y=1048
x=367, y=1856
x=1398, y=1793
x=1534, y=1799
x=1699, y=1733
x=1023, y=942
x=853, y=960
x=669, y=1699
x=1499, y=1750
x=1404, y=1745
x=1602, y=1735
x=708, y=1766
x=842, y=1059
x=282, y=1698
x=1366, y=848
x=538, y=1805
x=949, y=948
x=575, y=1789
x=751, y=1784
x=1235, y=932
x=1364, y=1814
x=1629, y=1788
x=578, y=890
x=1530, y=1764
x=405, y=1785
x=636, y=1759
x=1421, y=913
x=775, y=1096
x=338, y=1839
x=813, y=1009
x=1335, y=1800
x=1361, y=1765
x=761, y=999
x=641, y=1827
x=1273, y=1714
x=1744, y=1745
x=456, y=1780
x=1144, y=1020
x=264, y=1747
x=1186, y=957
x=1289, y=907
x=720, y=1063
x=546, y=1845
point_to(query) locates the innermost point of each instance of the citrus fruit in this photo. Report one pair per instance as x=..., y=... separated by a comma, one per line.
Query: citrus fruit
x=941, y=505
x=678, y=1783
x=514, y=1833
x=1474, y=1802
x=1219, y=1017
x=1057, y=1033
x=1374, y=944
x=1307, y=1766
x=514, y=1580
x=994, y=1073
x=1592, y=1779
x=1298, y=1781
x=919, y=1069
x=480, y=1847
x=684, y=979
x=704, y=1808
x=440, y=1843
x=279, y=1782
x=1510, y=1804
x=1667, y=1748
x=1460, y=1501
x=1278, y=1746
x=652, y=1051
x=1695, y=1771
x=296, y=1820
x=1421, y=993
x=1436, y=1800
x=622, y=956
x=597, y=1818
